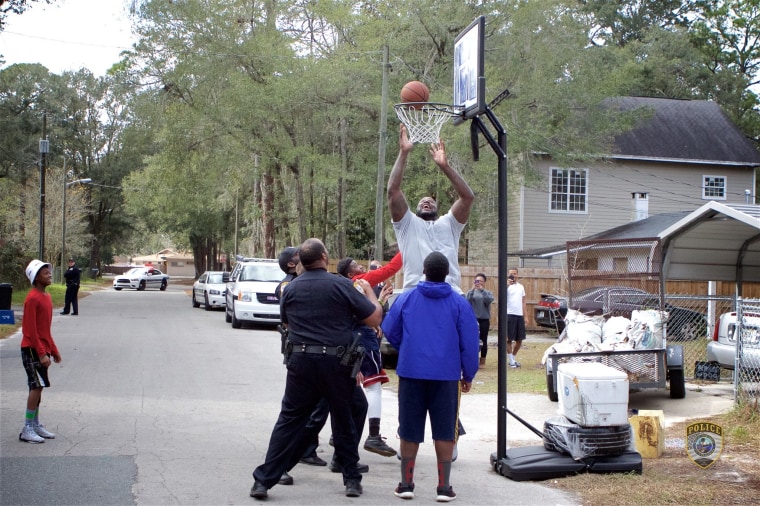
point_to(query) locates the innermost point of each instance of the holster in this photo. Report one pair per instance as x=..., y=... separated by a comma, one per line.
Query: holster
x=284, y=343
x=354, y=355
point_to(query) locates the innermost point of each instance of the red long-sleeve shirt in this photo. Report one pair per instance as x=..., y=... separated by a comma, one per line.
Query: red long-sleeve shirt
x=36, y=322
x=382, y=273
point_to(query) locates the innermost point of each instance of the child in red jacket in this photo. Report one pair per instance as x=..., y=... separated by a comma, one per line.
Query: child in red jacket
x=37, y=347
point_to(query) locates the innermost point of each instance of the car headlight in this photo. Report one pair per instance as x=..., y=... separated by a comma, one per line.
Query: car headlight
x=214, y=292
x=246, y=296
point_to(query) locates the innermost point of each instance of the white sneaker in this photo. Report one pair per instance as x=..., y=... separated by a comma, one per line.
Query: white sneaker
x=41, y=431
x=29, y=436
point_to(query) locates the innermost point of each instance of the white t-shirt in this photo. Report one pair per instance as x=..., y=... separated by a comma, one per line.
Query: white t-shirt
x=417, y=238
x=515, y=296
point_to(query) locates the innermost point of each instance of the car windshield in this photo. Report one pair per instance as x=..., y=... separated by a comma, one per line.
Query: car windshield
x=261, y=272
x=215, y=277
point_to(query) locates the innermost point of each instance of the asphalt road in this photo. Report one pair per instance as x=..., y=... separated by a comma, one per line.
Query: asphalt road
x=159, y=403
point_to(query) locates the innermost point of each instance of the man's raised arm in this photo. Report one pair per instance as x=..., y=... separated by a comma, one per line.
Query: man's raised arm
x=461, y=208
x=396, y=199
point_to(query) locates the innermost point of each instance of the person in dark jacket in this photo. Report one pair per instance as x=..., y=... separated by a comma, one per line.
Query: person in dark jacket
x=72, y=277
x=480, y=300
x=436, y=334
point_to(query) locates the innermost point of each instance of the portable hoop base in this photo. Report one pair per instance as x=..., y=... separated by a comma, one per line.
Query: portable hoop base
x=536, y=463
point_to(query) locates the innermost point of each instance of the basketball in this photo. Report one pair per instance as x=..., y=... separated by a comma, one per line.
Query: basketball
x=415, y=91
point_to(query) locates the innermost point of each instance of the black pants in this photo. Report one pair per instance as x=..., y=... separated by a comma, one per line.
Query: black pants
x=484, y=325
x=310, y=379
x=71, y=299
x=318, y=418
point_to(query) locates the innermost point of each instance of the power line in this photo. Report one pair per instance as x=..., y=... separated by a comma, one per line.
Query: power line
x=48, y=39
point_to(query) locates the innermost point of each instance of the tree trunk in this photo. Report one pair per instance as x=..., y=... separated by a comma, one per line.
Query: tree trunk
x=267, y=201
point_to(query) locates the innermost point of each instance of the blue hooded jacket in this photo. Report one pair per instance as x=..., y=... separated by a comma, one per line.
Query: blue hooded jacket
x=435, y=332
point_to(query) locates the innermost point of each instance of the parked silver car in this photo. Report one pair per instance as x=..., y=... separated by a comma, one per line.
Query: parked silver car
x=722, y=348
x=210, y=289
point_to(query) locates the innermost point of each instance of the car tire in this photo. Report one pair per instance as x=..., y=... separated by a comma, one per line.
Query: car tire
x=141, y=286
x=677, y=384
x=195, y=302
x=227, y=317
x=206, y=304
x=164, y=283
x=389, y=361
x=236, y=324
x=117, y=288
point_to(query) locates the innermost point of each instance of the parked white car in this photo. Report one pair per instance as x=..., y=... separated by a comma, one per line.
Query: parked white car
x=210, y=289
x=140, y=278
x=250, y=292
x=722, y=348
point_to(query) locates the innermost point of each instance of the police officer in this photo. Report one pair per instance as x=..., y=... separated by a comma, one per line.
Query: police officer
x=72, y=277
x=288, y=261
x=319, y=310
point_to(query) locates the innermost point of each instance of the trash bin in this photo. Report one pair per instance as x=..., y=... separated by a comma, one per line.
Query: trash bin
x=6, y=292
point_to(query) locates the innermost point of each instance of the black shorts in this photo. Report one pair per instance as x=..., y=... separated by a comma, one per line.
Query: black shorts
x=515, y=327
x=418, y=398
x=36, y=373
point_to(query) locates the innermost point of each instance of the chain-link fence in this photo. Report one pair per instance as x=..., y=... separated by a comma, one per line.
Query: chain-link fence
x=746, y=341
x=691, y=324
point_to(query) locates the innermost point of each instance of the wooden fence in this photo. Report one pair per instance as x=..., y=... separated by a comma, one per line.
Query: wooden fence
x=553, y=281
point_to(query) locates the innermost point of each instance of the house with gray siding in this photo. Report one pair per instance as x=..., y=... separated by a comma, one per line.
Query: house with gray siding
x=686, y=153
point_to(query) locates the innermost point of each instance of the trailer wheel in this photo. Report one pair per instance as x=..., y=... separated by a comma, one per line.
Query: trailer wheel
x=677, y=384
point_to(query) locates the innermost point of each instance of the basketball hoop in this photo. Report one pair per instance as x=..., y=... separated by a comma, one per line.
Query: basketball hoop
x=423, y=120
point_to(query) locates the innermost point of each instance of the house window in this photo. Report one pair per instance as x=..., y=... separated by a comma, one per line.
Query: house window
x=714, y=187
x=569, y=190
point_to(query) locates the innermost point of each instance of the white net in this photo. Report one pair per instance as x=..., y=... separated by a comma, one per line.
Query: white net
x=423, y=120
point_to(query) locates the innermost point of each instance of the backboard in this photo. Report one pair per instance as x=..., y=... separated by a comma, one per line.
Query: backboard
x=469, y=77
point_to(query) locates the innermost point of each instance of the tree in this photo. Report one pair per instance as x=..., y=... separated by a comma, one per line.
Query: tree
x=15, y=7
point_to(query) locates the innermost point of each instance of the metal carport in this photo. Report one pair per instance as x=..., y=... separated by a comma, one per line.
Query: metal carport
x=718, y=242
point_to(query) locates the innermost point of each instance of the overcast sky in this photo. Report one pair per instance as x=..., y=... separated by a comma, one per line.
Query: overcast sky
x=68, y=35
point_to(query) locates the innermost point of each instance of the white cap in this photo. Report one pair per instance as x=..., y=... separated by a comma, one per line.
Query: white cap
x=34, y=267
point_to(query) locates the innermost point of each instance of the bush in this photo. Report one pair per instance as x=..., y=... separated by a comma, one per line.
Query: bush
x=13, y=260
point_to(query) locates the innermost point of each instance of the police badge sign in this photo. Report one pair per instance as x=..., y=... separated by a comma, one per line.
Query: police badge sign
x=704, y=443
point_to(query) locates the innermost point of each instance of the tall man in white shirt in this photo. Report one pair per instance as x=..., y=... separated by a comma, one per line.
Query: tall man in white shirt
x=422, y=232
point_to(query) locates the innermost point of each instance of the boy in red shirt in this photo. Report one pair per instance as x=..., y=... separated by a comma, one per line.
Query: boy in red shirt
x=37, y=347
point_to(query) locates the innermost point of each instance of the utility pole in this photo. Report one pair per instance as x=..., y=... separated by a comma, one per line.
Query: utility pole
x=44, y=149
x=63, y=223
x=382, y=141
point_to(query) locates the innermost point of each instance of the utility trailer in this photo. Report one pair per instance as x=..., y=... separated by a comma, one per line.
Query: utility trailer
x=646, y=368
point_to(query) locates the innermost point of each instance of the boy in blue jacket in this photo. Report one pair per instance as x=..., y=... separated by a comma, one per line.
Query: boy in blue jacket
x=436, y=334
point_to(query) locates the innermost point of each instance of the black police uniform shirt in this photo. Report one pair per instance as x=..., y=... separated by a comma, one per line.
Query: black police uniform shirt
x=321, y=308
x=72, y=275
x=287, y=279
